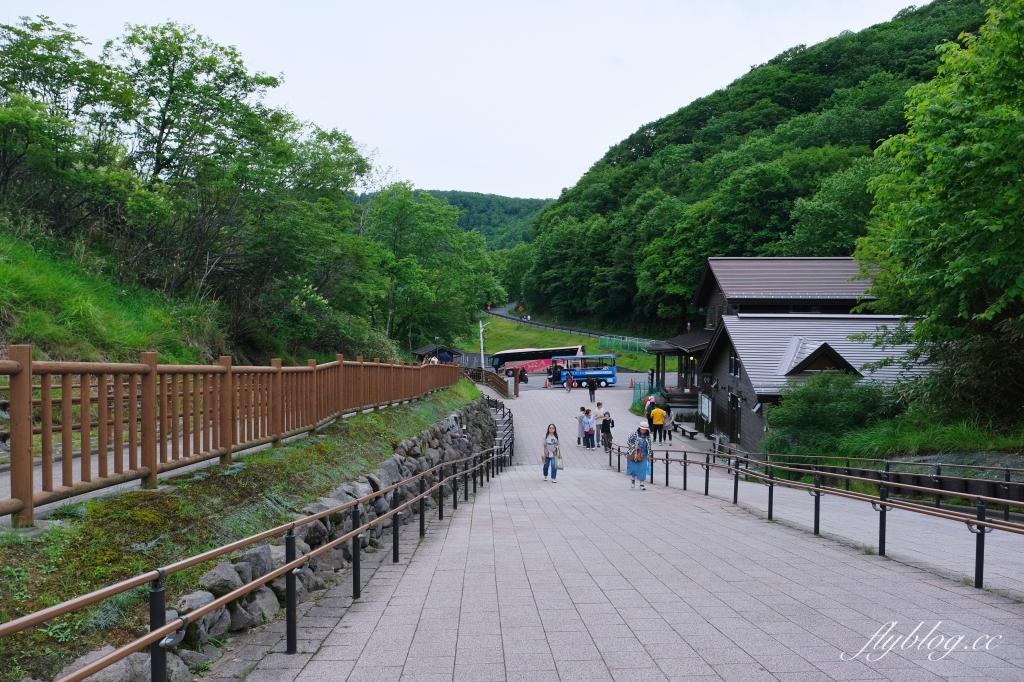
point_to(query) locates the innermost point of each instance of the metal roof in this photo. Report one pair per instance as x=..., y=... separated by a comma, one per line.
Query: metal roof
x=805, y=278
x=771, y=346
x=693, y=341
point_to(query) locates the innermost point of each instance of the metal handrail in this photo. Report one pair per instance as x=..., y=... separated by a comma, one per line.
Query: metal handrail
x=486, y=464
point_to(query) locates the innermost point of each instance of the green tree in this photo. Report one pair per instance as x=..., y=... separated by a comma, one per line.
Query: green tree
x=947, y=240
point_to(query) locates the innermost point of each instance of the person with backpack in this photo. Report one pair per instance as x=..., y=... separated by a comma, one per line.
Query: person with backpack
x=589, y=429
x=551, y=453
x=579, y=429
x=607, y=424
x=592, y=387
x=639, y=448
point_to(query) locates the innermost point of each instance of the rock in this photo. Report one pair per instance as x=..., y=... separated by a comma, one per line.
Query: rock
x=331, y=560
x=118, y=672
x=177, y=671
x=258, y=558
x=280, y=590
x=389, y=469
x=264, y=605
x=381, y=506
x=241, y=617
x=194, y=600
x=314, y=533
x=323, y=504
x=221, y=579
x=375, y=483
x=219, y=622
x=312, y=581
x=193, y=659
x=213, y=652
x=244, y=571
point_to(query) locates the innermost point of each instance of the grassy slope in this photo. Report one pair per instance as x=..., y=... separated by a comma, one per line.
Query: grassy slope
x=504, y=334
x=69, y=314
x=106, y=540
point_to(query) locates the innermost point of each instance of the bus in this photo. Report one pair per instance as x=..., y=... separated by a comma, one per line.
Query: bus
x=529, y=359
x=581, y=367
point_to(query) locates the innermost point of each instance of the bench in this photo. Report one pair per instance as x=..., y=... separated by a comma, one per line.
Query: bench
x=686, y=431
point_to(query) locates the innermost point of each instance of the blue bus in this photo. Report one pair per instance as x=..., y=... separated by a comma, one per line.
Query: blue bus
x=580, y=367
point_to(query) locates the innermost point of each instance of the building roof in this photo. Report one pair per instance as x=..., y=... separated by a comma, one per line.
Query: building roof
x=694, y=341
x=774, y=349
x=810, y=278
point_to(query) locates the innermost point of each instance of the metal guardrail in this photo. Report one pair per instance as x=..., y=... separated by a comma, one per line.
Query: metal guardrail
x=545, y=325
x=140, y=420
x=162, y=635
x=765, y=471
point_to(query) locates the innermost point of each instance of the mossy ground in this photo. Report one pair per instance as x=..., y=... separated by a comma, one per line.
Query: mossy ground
x=106, y=540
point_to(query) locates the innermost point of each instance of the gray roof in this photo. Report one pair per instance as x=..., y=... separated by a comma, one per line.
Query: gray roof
x=808, y=278
x=692, y=341
x=770, y=347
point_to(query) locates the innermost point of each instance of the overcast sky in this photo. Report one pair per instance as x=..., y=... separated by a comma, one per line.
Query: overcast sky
x=515, y=98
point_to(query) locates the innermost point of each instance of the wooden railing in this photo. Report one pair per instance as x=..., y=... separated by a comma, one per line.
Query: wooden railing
x=487, y=378
x=124, y=422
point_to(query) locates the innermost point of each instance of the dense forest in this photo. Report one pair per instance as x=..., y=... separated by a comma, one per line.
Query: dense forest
x=503, y=221
x=777, y=163
x=159, y=165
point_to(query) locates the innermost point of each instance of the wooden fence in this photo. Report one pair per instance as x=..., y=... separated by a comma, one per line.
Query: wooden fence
x=110, y=423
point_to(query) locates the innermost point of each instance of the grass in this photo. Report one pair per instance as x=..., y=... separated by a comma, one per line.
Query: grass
x=69, y=313
x=502, y=334
x=120, y=536
x=912, y=434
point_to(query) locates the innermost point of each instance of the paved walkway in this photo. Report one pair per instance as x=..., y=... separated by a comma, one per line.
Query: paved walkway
x=588, y=579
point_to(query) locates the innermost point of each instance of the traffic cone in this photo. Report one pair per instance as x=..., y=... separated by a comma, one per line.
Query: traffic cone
x=669, y=389
x=545, y=383
x=631, y=382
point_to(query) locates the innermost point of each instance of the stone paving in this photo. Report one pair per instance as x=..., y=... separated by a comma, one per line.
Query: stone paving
x=588, y=579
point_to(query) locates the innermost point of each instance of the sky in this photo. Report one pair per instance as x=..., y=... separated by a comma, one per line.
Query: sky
x=514, y=98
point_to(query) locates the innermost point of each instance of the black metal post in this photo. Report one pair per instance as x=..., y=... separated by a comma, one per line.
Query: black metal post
x=847, y=473
x=423, y=508
x=817, y=505
x=979, y=548
x=476, y=470
x=157, y=619
x=736, y=481
x=684, y=470
x=291, y=595
x=356, y=587
x=465, y=481
x=883, y=495
x=619, y=456
x=666, y=469
x=771, y=492
x=1006, y=507
x=394, y=538
x=455, y=487
x=440, y=495
x=487, y=467
x=707, y=472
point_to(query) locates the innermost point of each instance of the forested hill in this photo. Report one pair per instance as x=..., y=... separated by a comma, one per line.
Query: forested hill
x=777, y=163
x=503, y=221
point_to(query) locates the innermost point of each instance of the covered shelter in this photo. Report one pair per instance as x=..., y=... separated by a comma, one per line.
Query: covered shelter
x=463, y=357
x=687, y=349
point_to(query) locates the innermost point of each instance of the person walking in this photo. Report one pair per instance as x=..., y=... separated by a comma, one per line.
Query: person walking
x=589, y=429
x=658, y=424
x=550, y=452
x=607, y=424
x=579, y=429
x=592, y=387
x=639, y=448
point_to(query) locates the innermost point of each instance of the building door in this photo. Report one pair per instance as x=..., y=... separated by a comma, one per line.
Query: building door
x=734, y=418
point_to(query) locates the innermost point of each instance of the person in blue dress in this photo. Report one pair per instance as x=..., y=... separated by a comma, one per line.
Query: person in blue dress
x=638, y=440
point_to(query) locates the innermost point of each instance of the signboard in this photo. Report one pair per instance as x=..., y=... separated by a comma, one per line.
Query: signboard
x=705, y=408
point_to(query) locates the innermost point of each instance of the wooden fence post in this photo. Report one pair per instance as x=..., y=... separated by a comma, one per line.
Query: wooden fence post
x=377, y=382
x=149, y=420
x=276, y=402
x=312, y=403
x=338, y=393
x=21, y=436
x=362, y=384
x=227, y=410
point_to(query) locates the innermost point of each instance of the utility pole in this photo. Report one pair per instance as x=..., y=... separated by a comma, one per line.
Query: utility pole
x=483, y=367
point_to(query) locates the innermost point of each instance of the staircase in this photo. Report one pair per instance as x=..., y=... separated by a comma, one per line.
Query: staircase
x=505, y=439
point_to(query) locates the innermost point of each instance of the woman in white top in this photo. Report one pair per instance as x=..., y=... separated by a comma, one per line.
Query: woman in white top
x=550, y=450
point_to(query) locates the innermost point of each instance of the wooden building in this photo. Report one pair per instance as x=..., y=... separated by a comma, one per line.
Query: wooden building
x=752, y=356
x=778, y=285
